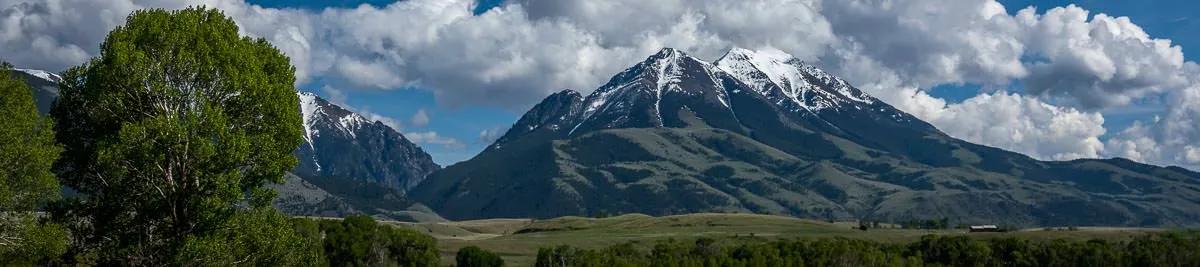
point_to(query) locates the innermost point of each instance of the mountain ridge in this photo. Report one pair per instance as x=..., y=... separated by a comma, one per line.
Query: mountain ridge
x=790, y=140
x=341, y=143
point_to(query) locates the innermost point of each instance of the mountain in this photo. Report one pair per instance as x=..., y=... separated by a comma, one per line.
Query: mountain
x=44, y=85
x=763, y=132
x=348, y=164
x=364, y=166
x=341, y=143
x=331, y=197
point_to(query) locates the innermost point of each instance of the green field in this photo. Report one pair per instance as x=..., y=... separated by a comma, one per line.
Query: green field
x=518, y=240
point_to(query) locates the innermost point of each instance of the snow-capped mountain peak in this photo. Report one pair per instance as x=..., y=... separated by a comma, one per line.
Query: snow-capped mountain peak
x=671, y=89
x=801, y=83
x=760, y=69
x=45, y=75
x=314, y=109
x=636, y=95
x=342, y=143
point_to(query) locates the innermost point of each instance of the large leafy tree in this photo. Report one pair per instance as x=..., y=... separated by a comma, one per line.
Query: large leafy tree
x=172, y=131
x=27, y=150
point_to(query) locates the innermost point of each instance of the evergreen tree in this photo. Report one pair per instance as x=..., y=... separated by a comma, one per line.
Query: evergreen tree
x=27, y=150
x=172, y=132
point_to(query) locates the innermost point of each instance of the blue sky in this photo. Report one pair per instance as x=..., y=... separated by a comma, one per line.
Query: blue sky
x=1172, y=19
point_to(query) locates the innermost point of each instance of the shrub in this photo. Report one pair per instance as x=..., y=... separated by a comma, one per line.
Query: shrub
x=474, y=256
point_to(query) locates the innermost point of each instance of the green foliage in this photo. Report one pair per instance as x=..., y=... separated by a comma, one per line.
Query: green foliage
x=360, y=241
x=171, y=133
x=259, y=237
x=474, y=256
x=24, y=239
x=943, y=223
x=27, y=150
x=1172, y=249
x=955, y=251
x=570, y=256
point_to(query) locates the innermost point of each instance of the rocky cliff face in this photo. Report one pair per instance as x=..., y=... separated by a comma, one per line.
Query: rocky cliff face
x=340, y=143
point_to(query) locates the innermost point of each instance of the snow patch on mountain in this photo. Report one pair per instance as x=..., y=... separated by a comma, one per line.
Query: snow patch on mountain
x=839, y=85
x=308, y=110
x=668, y=74
x=309, y=107
x=342, y=143
x=761, y=69
x=351, y=123
x=745, y=65
x=784, y=80
x=315, y=110
x=45, y=75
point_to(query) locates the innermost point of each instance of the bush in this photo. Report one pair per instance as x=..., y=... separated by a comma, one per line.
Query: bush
x=473, y=256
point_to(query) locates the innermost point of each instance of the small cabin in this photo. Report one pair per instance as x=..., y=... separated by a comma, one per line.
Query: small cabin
x=984, y=228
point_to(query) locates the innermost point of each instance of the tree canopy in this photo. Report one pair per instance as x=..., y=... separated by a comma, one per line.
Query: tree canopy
x=171, y=132
x=27, y=150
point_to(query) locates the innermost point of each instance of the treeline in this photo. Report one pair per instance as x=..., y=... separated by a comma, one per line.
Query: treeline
x=943, y=223
x=1170, y=249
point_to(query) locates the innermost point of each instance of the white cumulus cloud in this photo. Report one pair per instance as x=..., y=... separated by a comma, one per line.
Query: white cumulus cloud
x=1072, y=63
x=1102, y=62
x=433, y=138
x=420, y=119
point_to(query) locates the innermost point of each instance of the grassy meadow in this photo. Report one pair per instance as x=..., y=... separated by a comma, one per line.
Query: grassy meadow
x=518, y=240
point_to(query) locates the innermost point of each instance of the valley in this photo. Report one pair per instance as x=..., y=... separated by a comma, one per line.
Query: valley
x=203, y=136
x=518, y=240
x=766, y=133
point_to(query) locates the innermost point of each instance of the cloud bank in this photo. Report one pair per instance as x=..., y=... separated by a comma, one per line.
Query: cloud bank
x=1070, y=63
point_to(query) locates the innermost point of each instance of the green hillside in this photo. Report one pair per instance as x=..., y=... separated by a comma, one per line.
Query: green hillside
x=676, y=135
x=664, y=171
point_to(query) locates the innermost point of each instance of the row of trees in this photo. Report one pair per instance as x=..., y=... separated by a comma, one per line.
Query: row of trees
x=1172, y=249
x=943, y=223
x=167, y=139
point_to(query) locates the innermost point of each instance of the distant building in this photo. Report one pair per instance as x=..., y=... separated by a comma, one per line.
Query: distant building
x=984, y=228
